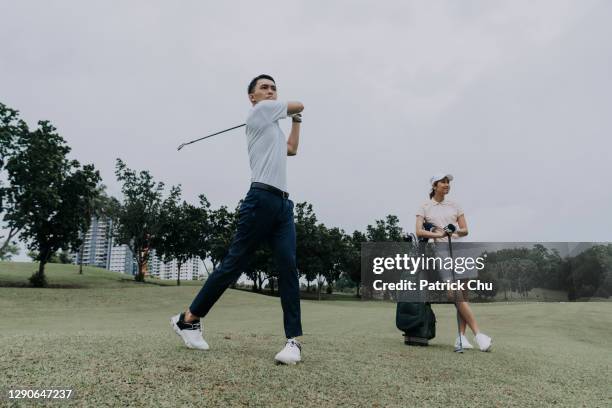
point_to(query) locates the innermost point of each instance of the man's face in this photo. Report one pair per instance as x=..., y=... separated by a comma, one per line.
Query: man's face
x=264, y=89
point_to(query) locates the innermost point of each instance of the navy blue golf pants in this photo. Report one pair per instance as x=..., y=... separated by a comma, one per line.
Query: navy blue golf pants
x=263, y=216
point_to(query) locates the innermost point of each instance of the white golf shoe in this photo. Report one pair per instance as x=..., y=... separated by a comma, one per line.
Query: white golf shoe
x=291, y=353
x=191, y=333
x=484, y=342
x=465, y=344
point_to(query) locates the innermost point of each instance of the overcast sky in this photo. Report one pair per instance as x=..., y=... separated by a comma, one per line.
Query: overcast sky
x=511, y=97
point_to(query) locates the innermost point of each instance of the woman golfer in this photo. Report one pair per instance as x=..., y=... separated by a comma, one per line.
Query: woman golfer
x=266, y=214
x=441, y=212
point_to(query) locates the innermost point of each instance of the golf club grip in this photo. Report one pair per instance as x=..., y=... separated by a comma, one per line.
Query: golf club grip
x=218, y=133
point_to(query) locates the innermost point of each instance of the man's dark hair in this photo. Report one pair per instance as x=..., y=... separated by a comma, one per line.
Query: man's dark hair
x=257, y=78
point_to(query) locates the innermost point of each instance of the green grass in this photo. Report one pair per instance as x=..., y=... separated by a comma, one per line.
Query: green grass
x=534, y=295
x=67, y=276
x=111, y=342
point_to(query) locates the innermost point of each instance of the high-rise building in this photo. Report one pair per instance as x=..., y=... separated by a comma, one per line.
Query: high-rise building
x=193, y=269
x=97, y=244
x=122, y=260
x=99, y=250
x=154, y=264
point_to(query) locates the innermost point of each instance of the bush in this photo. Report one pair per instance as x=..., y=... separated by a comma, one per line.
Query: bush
x=37, y=280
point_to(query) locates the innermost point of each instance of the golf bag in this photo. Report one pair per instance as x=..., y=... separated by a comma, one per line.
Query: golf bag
x=417, y=321
x=427, y=226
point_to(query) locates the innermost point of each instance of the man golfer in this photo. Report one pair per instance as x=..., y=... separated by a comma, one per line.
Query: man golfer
x=265, y=214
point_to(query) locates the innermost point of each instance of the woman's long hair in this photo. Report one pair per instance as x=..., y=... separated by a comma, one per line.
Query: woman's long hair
x=433, y=190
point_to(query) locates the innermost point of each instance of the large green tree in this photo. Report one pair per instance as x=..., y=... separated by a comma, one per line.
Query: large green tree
x=261, y=268
x=387, y=230
x=138, y=216
x=12, y=128
x=308, y=242
x=184, y=232
x=49, y=194
x=222, y=224
x=8, y=251
x=201, y=219
x=353, y=258
x=169, y=243
x=333, y=253
x=589, y=274
x=322, y=252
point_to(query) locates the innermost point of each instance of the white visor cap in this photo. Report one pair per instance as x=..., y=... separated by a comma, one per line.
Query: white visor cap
x=440, y=176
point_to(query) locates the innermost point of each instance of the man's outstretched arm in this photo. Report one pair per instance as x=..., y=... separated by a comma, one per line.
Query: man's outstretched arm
x=294, y=108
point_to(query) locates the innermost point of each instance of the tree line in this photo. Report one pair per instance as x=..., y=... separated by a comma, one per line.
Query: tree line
x=519, y=270
x=47, y=200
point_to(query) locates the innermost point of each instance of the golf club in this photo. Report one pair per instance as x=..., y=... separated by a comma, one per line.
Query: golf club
x=211, y=135
x=450, y=228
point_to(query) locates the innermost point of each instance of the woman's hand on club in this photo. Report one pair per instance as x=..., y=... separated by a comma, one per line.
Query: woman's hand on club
x=440, y=233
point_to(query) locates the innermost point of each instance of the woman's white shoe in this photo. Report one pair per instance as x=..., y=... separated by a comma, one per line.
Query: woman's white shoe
x=464, y=343
x=484, y=342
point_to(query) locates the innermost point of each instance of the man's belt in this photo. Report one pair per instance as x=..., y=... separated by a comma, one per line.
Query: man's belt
x=272, y=189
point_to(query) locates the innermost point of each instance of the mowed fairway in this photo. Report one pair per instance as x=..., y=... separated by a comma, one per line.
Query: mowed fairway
x=111, y=342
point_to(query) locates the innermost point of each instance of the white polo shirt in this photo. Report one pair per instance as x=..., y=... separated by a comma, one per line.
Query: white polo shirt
x=441, y=214
x=267, y=143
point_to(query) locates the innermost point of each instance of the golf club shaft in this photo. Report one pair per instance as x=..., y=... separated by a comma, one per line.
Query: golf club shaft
x=450, y=249
x=211, y=135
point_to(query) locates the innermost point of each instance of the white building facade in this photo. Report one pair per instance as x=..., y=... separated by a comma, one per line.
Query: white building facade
x=97, y=244
x=153, y=264
x=193, y=269
x=100, y=251
x=122, y=260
